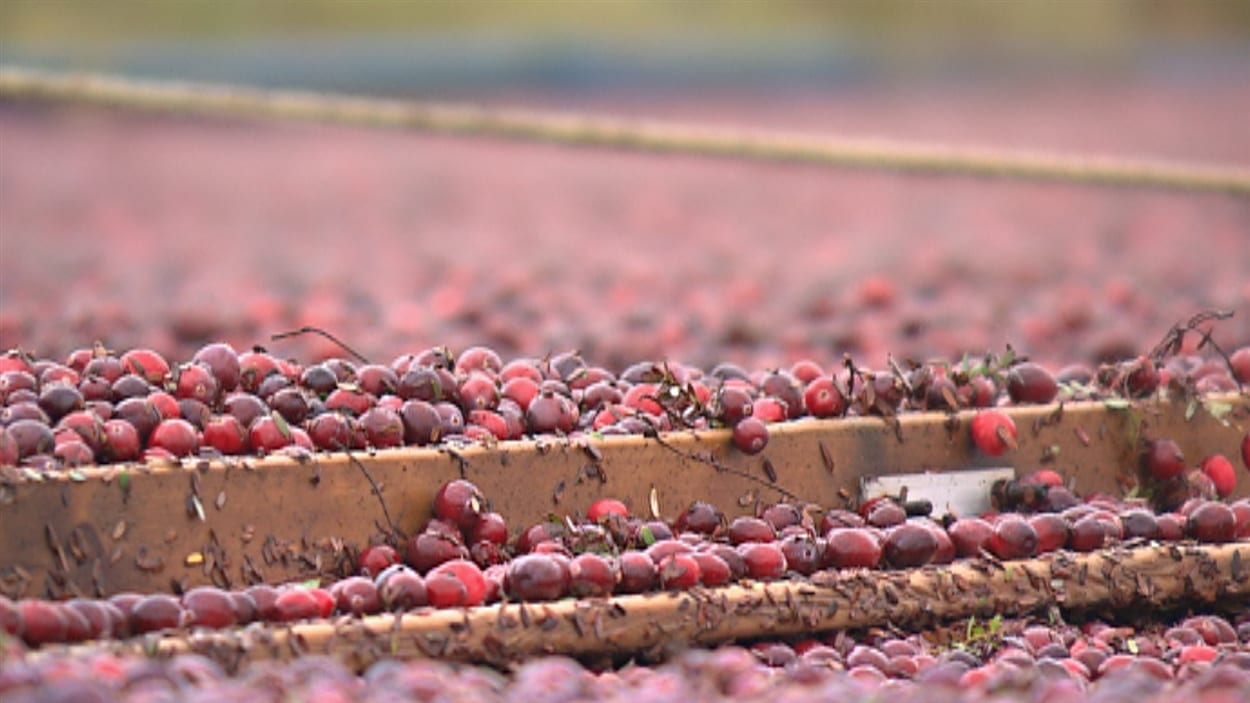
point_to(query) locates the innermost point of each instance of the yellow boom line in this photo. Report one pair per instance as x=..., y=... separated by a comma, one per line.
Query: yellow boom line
x=241, y=102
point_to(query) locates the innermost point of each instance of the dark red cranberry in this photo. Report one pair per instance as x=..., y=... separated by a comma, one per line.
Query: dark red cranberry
x=460, y=503
x=592, y=576
x=122, y=442
x=427, y=550
x=803, y=554
x=823, y=398
x=401, y=588
x=1212, y=522
x=733, y=404
x=1031, y=383
x=1163, y=459
x=537, y=577
x=31, y=437
x=383, y=427
x=478, y=359
x=678, y=572
x=1052, y=532
x=750, y=529
x=222, y=361
x=42, y=622
x=291, y=403
x=246, y=407
x=59, y=400
x=356, y=595
x=784, y=387
x=227, y=435
x=490, y=527
x=254, y=368
x=909, y=545
x=700, y=517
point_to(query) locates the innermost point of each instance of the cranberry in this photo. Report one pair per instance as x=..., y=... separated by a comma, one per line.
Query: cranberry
x=1014, y=538
x=803, y=554
x=1219, y=469
x=1088, y=534
x=294, y=604
x=1163, y=459
x=227, y=435
x=356, y=595
x=764, y=561
x=147, y=364
x=350, y=400
x=1030, y=383
x=536, y=577
x=909, y=545
x=1212, y=522
x=1052, y=532
x=157, y=612
x=750, y=529
x=490, y=528
x=291, y=403
x=479, y=359
x=269, y=433
x=467, y=574
x=209, y=607
x=222, y=361
x=602, y=508
x=678, y=572
x=638, y=573
x=31, y=437
x=970, y=535
x=97, y=615
x=401, y=588
x=823, y=398
x=121, y=441
x=59, y=400
x=427, y=550
x=383, y=427
x=460, y=503
x=376, y=558
x=993, y=432
x=750, y=435
x=548, y=414
x=852, y=548
x=330, y=432
x=700, y=517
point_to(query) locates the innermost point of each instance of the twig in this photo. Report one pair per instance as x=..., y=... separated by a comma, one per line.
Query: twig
x=309, y=329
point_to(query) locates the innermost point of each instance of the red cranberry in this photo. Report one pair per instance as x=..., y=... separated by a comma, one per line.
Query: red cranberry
x=356, y=595
x=700, y=517
x=467, y=574
x=427, y=550
x=1052, y=532
x=602, y=508
x=1219, y=469
x=852, y=548
x=802, y=553
x=227, y=435
x=383, y=427
x=909, y=545
x=270, y=433
x=209, y=607
x=764, y=561
x=147, y=364
x=750, y=435
x=993, y=432
x=678, y=572
x=1212, y=522
x=750, y=529
x=401, y=588
x=374, y=559
x=823, y=398
x=222, y=361
x=460, y=503
x=537, y=577
x=157, y=612
x=42, y=622
x=1163, y=459
x=479, y=359
x=733, y=404
x=638, y=573
x=1013, y=538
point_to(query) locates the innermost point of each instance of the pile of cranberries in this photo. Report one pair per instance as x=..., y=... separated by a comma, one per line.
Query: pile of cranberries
x=466, y=556
x=98, y=406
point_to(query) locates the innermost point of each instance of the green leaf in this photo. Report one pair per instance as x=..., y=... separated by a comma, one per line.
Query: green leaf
x=1131, y=645
x=280, y=421
x=124, y=481
x=1116, y=404
x=1008, y=573
x=647, y=537
x=310, y=583
x=77, y=476
x=996, y=624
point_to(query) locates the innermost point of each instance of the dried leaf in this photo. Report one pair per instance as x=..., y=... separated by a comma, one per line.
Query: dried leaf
x=653, y=501
x=1116, y=404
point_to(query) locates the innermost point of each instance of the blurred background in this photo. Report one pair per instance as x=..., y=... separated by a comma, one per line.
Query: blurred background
x=170, y=231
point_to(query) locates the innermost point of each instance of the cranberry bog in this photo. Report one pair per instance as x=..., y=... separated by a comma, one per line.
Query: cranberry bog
x=763, y=458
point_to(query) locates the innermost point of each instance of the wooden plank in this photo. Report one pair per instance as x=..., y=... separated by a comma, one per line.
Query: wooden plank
x=1151, y=576
x=138, y=528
